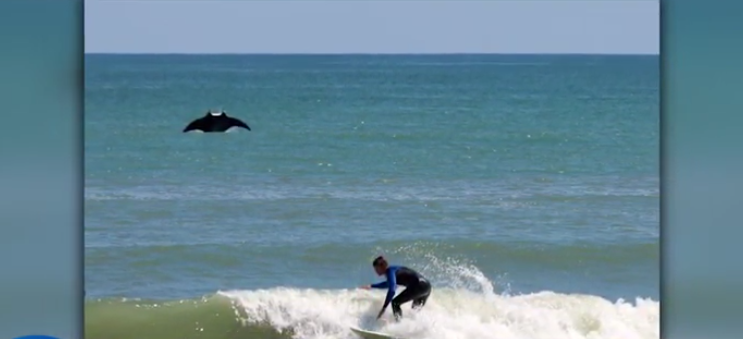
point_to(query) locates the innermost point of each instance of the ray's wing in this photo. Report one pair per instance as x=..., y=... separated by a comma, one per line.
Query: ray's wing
x=195, y=125
x=238, y=123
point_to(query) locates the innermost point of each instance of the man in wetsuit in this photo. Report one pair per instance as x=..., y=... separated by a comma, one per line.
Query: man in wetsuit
x=417, y=288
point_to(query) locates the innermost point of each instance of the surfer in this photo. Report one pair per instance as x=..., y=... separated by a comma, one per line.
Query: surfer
x=417, y=288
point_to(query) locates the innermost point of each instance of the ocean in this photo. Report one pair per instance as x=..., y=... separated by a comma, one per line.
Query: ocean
x=525, y=187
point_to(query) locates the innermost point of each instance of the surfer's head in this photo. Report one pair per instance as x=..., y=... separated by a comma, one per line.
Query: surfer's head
x=380, y=265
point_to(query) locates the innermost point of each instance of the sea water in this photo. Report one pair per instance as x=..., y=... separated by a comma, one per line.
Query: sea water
x=526, y=188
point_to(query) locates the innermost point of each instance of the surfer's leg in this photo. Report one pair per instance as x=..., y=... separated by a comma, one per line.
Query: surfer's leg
x=419, y=303
x=407, y=295
x=417, y=293
x=397, y=311
x=424, y=291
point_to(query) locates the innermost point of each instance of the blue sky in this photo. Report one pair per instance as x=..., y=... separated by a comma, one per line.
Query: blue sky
x=243, y=26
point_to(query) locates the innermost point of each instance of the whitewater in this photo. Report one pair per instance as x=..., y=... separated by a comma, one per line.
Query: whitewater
x=467, y=308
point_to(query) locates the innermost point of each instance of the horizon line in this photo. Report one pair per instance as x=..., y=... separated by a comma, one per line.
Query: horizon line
x=375, y=53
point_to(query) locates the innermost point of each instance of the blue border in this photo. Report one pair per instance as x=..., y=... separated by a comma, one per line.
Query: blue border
x=41, y=187
x=702, y=171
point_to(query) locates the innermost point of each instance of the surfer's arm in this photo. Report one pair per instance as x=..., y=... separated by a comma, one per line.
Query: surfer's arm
x=391, y=286
x=379, y=285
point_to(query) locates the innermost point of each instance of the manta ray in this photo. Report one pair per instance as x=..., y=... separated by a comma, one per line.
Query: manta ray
x=215, y=122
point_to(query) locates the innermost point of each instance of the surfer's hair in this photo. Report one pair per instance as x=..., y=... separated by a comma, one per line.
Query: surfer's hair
x=379, y=261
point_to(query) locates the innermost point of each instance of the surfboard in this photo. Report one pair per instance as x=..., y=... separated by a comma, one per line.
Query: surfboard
x=370, y=334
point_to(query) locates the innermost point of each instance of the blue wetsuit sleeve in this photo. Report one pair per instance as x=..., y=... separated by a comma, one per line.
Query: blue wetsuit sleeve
x=391, y=286
x=380, y=285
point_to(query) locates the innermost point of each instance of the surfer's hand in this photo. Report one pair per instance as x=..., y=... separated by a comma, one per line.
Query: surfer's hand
x=380, y=314
x=365, y=287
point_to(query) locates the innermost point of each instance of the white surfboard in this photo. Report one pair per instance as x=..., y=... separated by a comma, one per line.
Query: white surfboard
x=370, y=334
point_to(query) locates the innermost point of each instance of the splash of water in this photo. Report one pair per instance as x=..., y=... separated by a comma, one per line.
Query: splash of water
x=465, y=307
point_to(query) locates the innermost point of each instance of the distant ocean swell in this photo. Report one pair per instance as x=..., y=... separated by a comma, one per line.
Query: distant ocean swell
x=451, y=313
x=390, y=190
x=521, y=253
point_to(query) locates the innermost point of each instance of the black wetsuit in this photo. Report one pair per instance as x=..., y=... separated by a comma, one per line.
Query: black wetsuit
x=417, y=288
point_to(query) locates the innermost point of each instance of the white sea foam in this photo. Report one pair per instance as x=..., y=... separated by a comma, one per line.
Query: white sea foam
x=465, y=312
x=450, y=314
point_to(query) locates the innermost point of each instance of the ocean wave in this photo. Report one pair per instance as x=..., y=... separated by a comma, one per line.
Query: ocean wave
x=465, y=306
x=284, y=312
